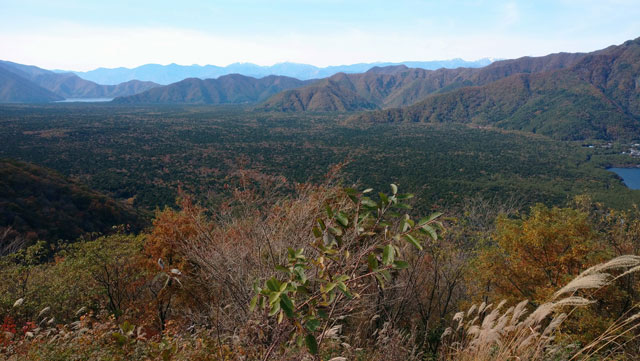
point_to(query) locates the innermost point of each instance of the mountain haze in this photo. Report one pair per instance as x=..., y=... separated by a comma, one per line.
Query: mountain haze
x=167, y=74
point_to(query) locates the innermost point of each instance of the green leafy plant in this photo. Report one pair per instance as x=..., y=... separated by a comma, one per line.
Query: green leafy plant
x=356, y=248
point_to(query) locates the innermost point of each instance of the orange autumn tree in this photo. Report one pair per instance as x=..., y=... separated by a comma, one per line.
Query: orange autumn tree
x=171, y=228
x=531, y=257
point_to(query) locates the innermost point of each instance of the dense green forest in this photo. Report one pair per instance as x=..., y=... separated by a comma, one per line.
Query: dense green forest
x=144, y=154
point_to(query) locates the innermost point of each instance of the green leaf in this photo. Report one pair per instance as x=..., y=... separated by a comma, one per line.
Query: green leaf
x=394, y=188
x=274, y=297
x=282, y=268
x=400, y=264
x=330, y=286
x=312, y=324
x=317, y=232
x=368, y=202
x=343, y=288
x=253, y=303
x=275, y=308
x=312, y=344
x=388, y=254
x=432, y=232
x=413, y=241
x=372, y=260
x=384, y=198
x=402, y=206
x=335, y=231
x=342, y=219
x=351, y=191
x=329, y=211
x=430, y=218
x=385, y=273
x=286, y=305
x=273, y=284
x=405, y=196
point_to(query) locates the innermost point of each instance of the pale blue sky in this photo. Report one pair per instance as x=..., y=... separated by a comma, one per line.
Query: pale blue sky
x=82, y=35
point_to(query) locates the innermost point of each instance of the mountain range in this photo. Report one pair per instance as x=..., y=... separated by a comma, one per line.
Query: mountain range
x=394, y=86
x=564, y=95
x=227, y=89
x=29, y=84
x=597, y=96
x=167, y=74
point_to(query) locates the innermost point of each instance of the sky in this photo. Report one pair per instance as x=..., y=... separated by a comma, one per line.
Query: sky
x=86, y=34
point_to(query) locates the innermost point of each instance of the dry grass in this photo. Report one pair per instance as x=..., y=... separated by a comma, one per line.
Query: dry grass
x=509, y=335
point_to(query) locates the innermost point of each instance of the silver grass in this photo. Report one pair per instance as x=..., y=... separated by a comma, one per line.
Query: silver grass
x=448, y=331
x=481, y=307
x=553, y=325
x=539, y=314
x=519, y=311
x=43, y=311
x=592, y=280
x=625, y=261
x=458, y=317
x=573, y=301
x=471, y=309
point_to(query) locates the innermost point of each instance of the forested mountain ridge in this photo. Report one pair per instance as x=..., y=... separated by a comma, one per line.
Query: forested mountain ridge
x=68, y=85
x=597, y=97
x=384, y=87
x=39, y=203
x=228, y=89
x=15, y=89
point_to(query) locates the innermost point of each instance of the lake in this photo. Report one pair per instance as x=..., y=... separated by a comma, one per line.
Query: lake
x=85, y=100
x=630, y=176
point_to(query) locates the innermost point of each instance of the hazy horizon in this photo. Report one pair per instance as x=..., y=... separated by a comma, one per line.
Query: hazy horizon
x=85, y=35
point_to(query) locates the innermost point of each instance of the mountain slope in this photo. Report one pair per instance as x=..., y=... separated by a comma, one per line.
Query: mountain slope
x=167, y=74
x=383, y=87
x=15, y=89
x=68, y=85
x=39, y=203
x=597, y=97
x=228, y=89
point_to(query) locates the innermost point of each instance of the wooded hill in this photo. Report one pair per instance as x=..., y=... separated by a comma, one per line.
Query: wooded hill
x=39, y=203
x=383, y=87
x=597, y=97
x=228, y=89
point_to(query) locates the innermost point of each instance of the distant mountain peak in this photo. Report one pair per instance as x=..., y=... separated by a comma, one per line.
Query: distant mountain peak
x=167, y=74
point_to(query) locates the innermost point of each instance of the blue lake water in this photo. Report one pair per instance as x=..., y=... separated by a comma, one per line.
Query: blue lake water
x=630, y=176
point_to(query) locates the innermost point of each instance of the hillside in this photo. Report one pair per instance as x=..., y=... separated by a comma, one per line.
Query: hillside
x=167, y=74
x=598, y=97
x=68, y=85
x=15, y=89
x=228, y=89
x=41, y=204
x=394, y=86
